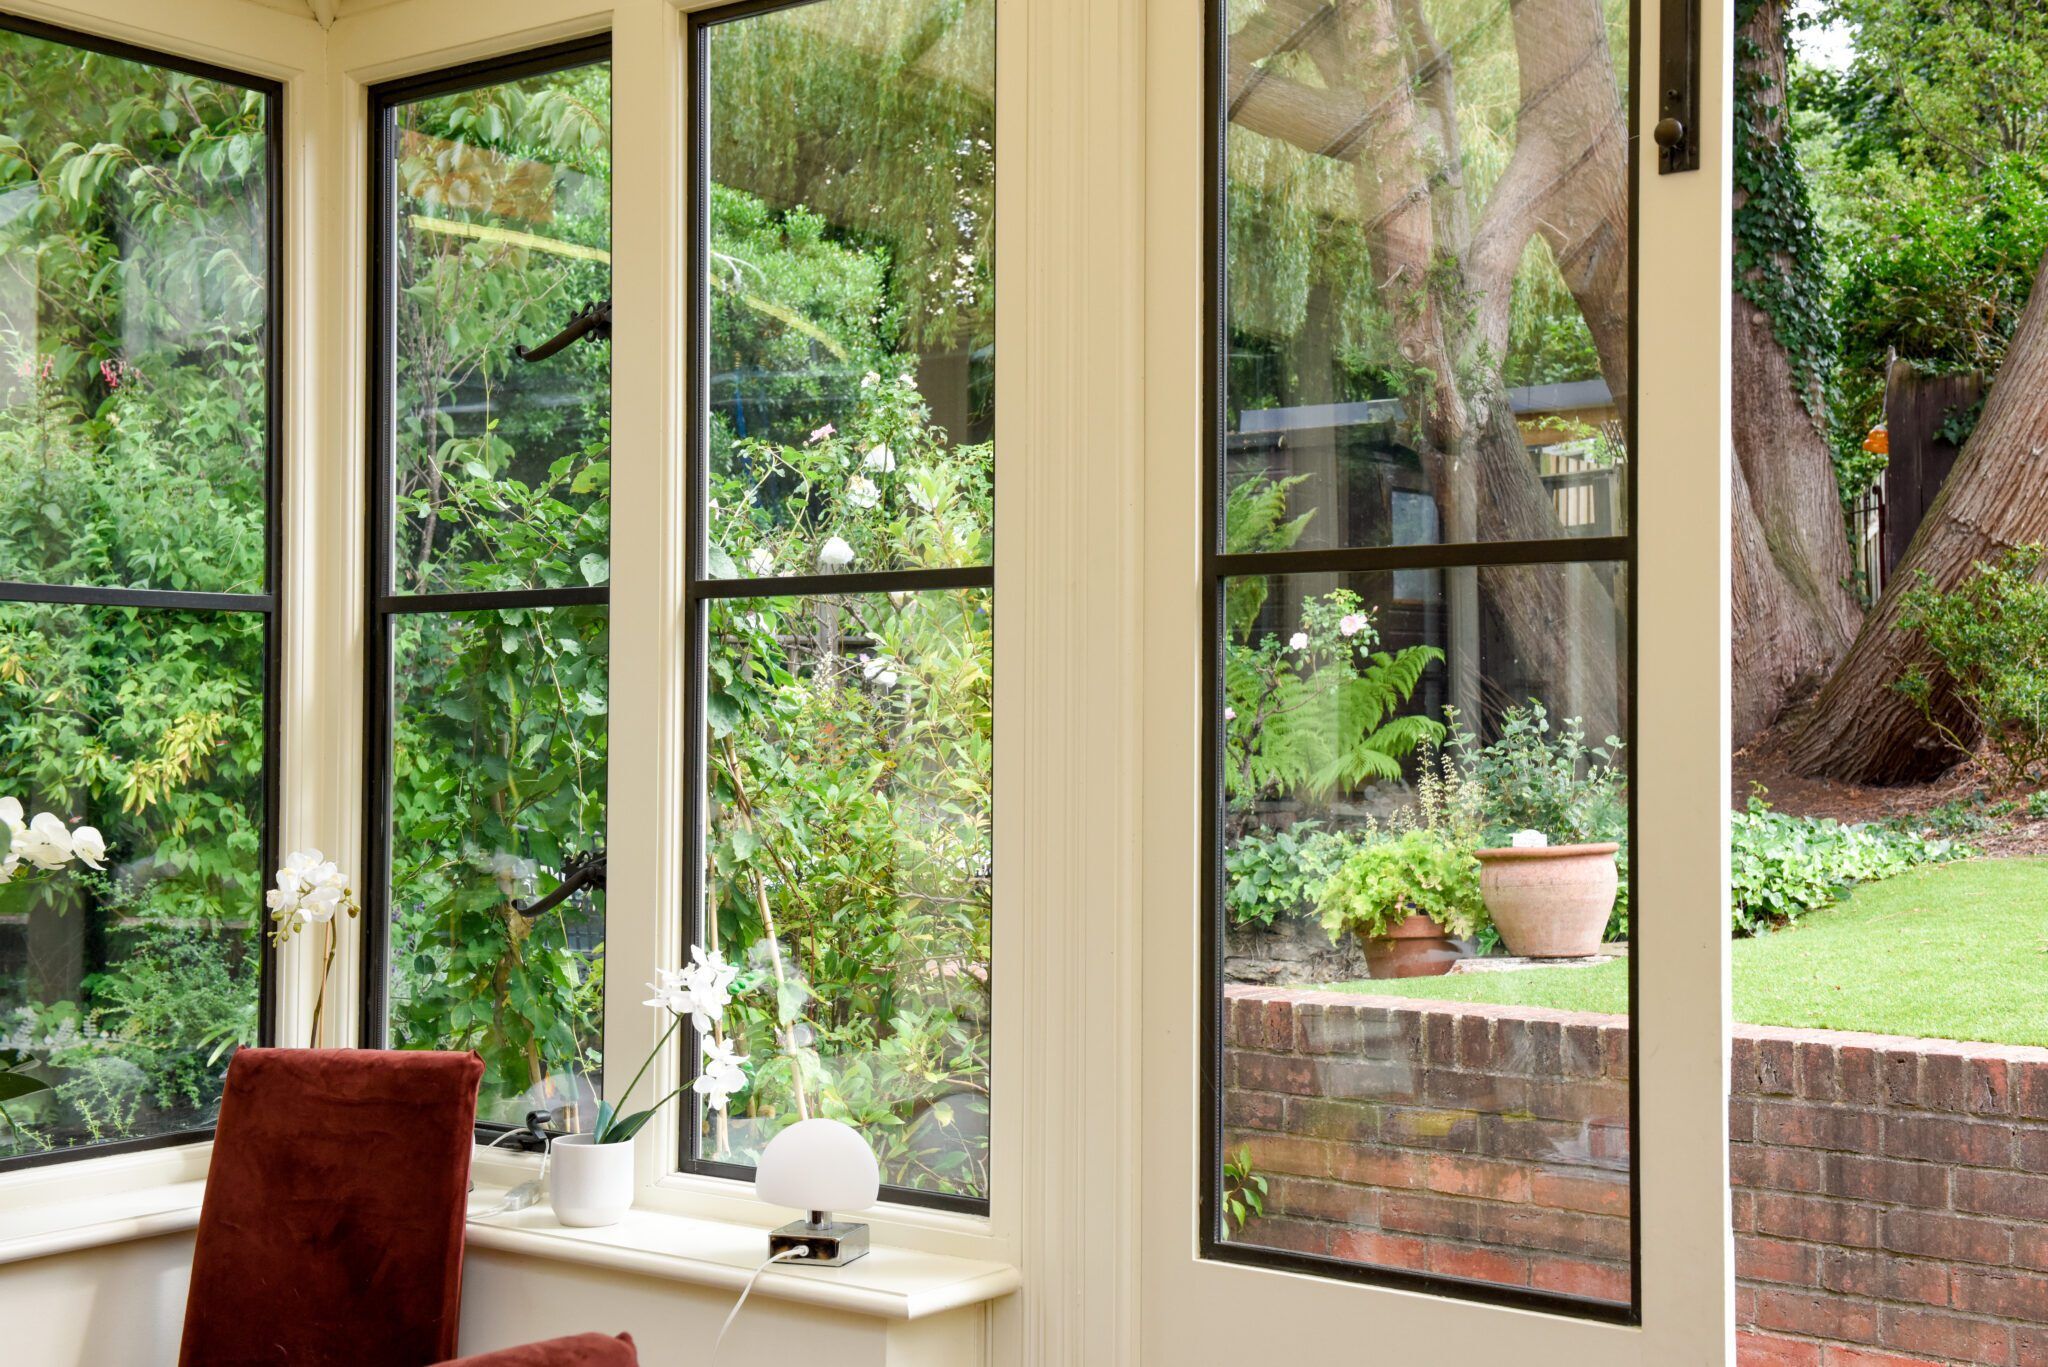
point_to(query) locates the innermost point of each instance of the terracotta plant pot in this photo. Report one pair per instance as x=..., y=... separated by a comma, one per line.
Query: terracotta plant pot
x=1416, y=948
x=1551, y=902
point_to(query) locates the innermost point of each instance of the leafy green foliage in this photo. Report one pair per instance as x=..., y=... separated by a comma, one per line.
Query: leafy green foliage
x=1785, y=866
x=1320, y=710
x=1244, y=1190
x=1989, y=640
x=1271, y=874
x=1385, y=881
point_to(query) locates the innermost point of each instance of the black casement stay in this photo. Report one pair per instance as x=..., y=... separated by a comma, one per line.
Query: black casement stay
x=579, y=871
x=592, y=322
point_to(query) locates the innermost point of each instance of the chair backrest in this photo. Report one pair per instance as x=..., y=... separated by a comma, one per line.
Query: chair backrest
x=331, y=1232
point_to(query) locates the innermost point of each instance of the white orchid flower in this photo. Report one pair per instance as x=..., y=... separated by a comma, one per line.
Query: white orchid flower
x=834, y=554
x=862, y=492
x=668, y=993
x=722, y=1074
x=9, y=862
x=43, y=842
x=88, y=845
x=880, y=457
x=10, y=813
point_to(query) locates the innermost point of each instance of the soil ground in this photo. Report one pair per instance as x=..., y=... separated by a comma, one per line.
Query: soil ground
x=1966, y=802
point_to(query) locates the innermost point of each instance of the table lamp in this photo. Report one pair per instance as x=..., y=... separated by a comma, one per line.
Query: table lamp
x=819, y=1166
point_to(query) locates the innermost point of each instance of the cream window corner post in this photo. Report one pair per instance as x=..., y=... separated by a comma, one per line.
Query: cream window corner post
x=1200, y=1309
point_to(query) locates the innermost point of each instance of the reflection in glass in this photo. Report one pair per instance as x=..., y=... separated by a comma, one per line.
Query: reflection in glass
x=848, y=848
x=502, y=232
x=498, y=776
x=134, y=272
x=849, y=283
x=131, y=987
x=1378, y=747
x=1427, y=257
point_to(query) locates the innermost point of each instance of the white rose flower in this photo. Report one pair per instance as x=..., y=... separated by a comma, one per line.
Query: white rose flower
x=1298, y=641
x=761, y=563
x=863, y=492
x=880, y=457
x=834, y=554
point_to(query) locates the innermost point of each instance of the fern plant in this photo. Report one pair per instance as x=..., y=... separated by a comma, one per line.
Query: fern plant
x=1320, y=711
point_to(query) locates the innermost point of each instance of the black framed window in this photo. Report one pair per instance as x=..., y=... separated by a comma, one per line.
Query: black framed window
x=139, y=562
x=489, y=544
x=1418, y=632
x=840, y=597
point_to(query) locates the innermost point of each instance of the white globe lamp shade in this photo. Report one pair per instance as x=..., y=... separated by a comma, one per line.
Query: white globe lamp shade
x=818, y=1165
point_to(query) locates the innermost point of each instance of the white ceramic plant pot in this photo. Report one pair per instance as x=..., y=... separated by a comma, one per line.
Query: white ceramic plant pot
x=590, y=1184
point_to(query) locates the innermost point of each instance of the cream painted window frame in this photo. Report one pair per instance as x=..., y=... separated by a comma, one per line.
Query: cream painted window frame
x=1197, y=1309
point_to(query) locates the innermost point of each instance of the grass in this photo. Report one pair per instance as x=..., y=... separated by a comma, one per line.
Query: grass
x=1955, y=951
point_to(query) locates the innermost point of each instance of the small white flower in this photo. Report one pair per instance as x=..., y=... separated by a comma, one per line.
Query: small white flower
x=877, y=672
x=761, y=563
x=907, y=380
x=880, y=457
x=835, y=553
x=723, y=1073
x=1298, y=641
x=863, y=492
x=819, y=434
x=1230, y=714
x=43, y=842
x=870, y=380
x=1351, y=623
x=89, y=846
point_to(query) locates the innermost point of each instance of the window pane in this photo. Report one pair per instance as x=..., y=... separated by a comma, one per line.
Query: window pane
x=498, y=777
x=850, y=286
x=1427, y=260
x=130, y=986
x=134, y=270
x=1425, y=1054
x=502, y=232
x=849, y=777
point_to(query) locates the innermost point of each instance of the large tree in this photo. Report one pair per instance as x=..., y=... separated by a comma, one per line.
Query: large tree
x=1370, y=85
x=1794, y=615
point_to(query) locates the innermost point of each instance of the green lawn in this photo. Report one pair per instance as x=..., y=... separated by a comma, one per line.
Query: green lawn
x=1957, y=951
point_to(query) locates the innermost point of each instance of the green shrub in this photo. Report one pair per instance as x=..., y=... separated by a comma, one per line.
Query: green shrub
x=1785, y=866
x=1382, y=883
x=1272, y=874
x=1989, y=639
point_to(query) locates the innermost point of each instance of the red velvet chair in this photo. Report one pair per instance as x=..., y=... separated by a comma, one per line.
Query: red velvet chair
x=578, y=1350
x=331, y=1233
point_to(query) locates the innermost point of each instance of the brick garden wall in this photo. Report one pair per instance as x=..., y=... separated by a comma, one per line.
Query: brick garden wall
x=1891, y=1202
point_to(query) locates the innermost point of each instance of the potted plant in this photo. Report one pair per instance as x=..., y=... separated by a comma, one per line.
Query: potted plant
x=1407, y=897
x=1554, y=809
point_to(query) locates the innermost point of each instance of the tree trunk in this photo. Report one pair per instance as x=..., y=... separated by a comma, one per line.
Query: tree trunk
x=1860, y=729
x=1794, y=614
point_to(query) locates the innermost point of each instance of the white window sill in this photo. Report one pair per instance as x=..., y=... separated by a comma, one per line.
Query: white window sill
x=890, y=1283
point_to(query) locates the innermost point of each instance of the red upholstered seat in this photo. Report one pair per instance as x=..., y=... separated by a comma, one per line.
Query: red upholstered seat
x=332, y=1227
x=578, y=1350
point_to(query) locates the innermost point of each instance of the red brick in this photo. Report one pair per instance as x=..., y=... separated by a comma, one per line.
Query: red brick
x=2014, y=1195
x=2030, y=1247
x=1251, y=1110
x=1379, y=1250
x=1884, y=1276
x=1811, y=1312
x=1956, y=1237
x=1939, y=1335
x=1898, y=1074
x=1491, y=1181
x=2014, y=1295
x=1285, y=1153
x=1504, y=1226
x=1368, y=1079
x=1888, y=1181
x=1777, y=1067
x=1768, y=1167
x=1741, y=1120
x=1373, y=1166
x=1601, y=1103
x=1773, y=1350
x=1440, y=1040
x=1582, y=1051
x=1816, y=1219
x=2030, y=1153
x=1346, y=1122
x=1571, y=1277
x=1479, y=1264
x=1817, y=1127
x=1939, y=1139
x=1841, y=1355
x=1315, y=1200
x=2030, y=1090
x=1614, y=1051
x=1475, y=1043
x=1944, y=1082
x=2029, y=1346
x=1743, y=1209
x=1424, y=1127
x=1279, y=1231
x=1817, y=1064
x=1274, y=1073
x=1856, y=1075
x=1989, y=1092
x=1594, y=1193
x=1475, y=1091
x=1777, y=1260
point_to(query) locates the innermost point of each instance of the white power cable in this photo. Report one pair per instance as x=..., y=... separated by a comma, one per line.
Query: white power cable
x=527, y=1193
x=800, y=1251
